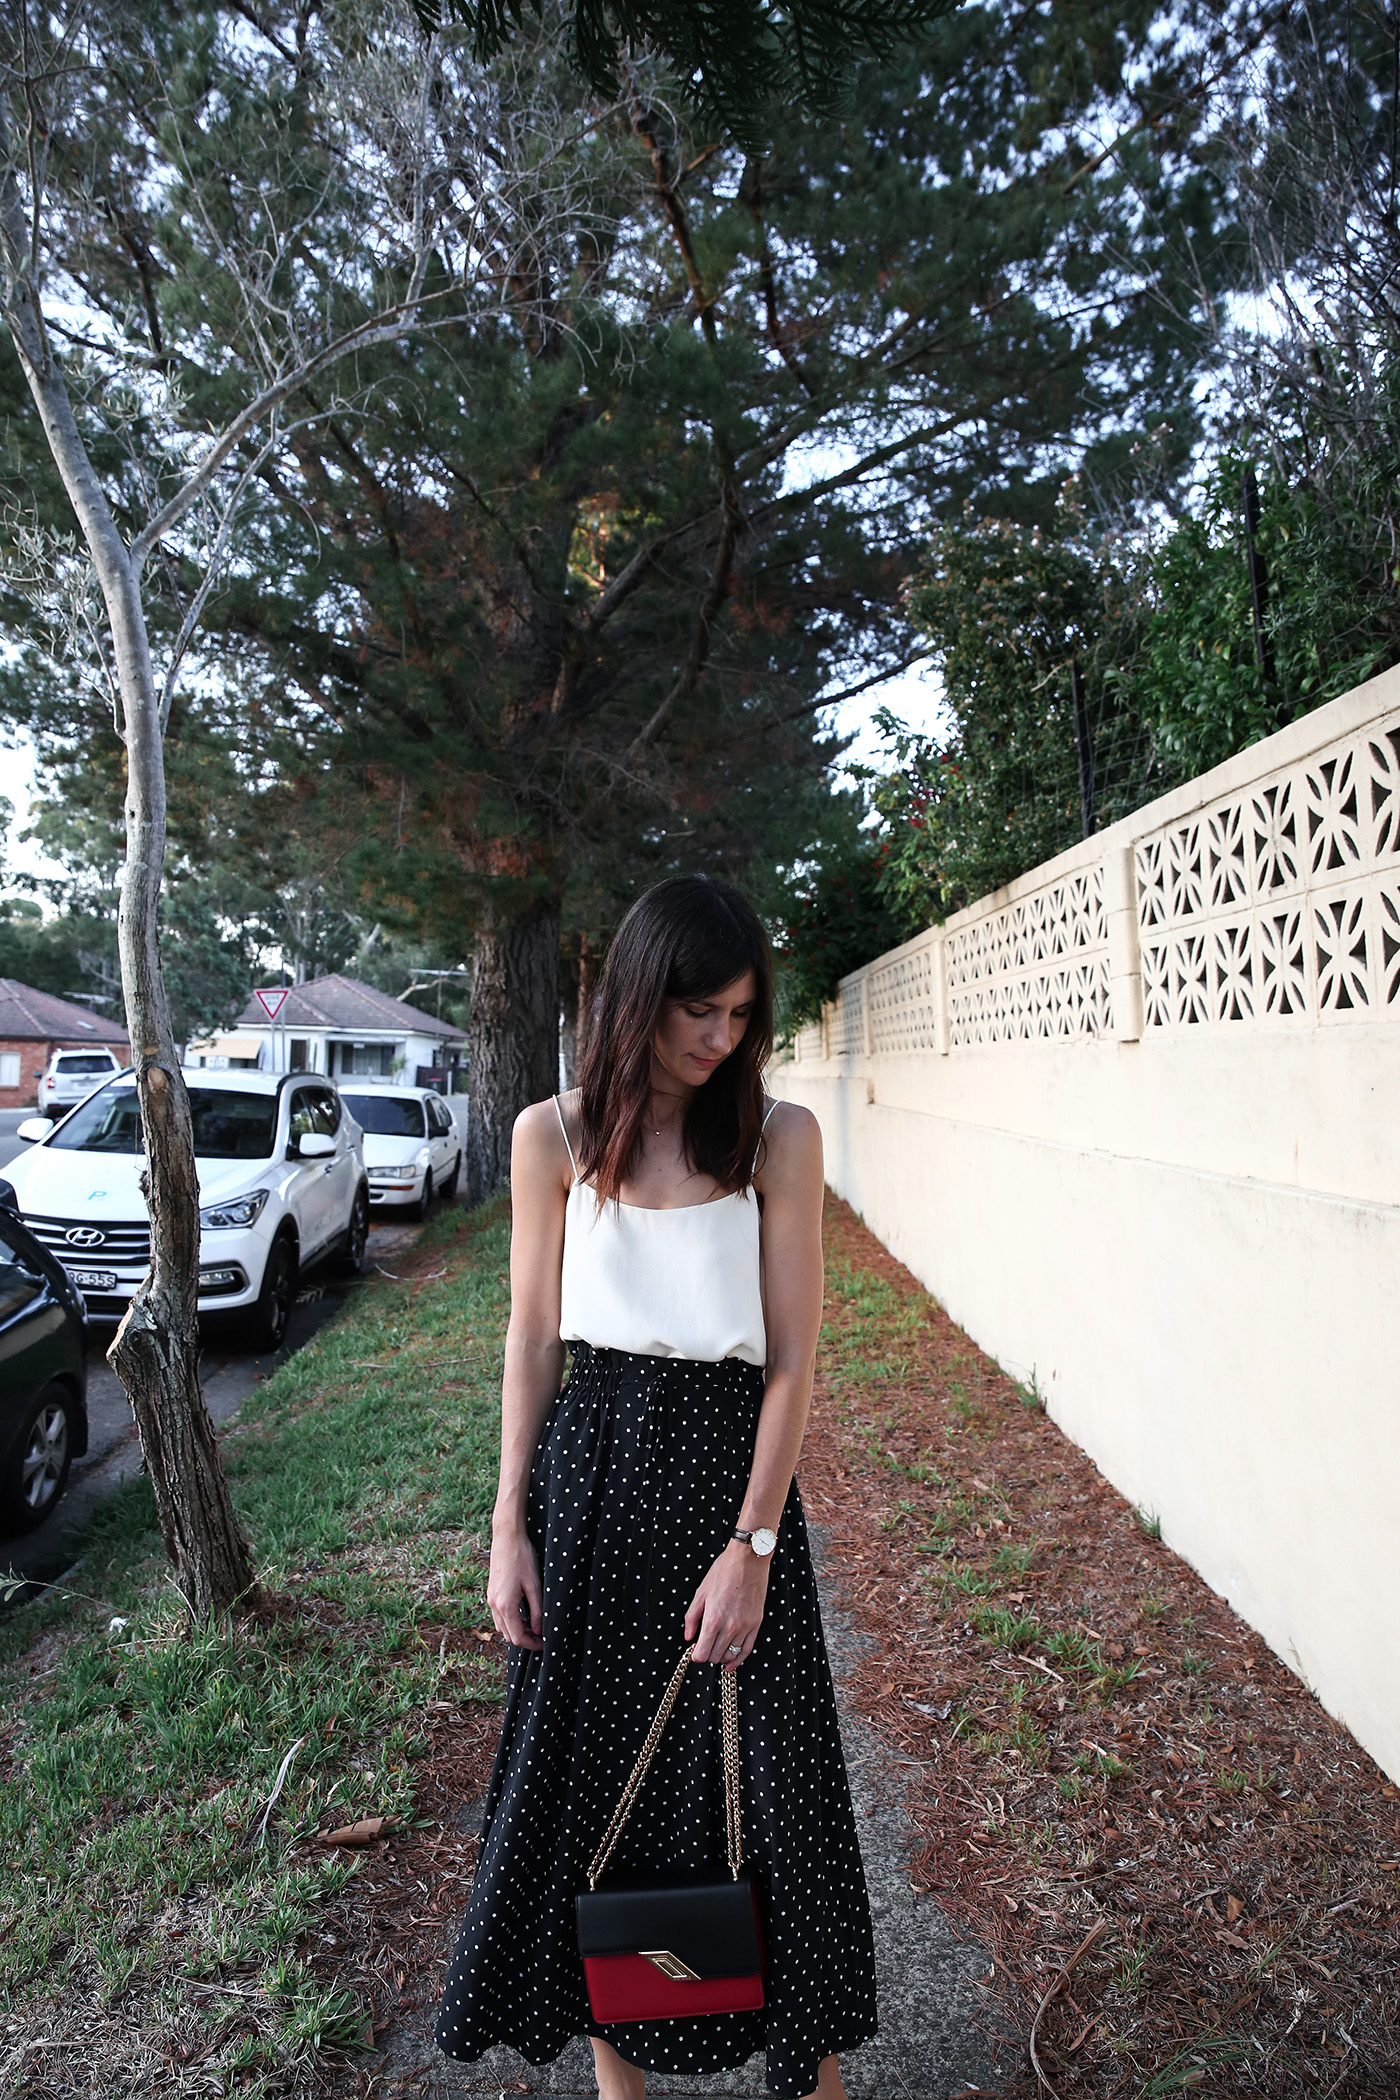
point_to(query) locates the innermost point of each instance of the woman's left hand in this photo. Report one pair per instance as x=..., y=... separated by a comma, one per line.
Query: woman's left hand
x=727, y=1609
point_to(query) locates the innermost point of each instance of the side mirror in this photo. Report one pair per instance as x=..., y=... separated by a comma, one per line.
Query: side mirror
x=8, y=1199
x=33, y=1128
x=314, y=1144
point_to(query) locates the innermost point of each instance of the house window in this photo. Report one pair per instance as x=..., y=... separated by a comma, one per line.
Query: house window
x=371, y=1060
x=9, y=1068
x=298, y=1054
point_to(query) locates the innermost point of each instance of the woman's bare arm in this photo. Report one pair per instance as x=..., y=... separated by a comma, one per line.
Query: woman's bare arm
x=534, y=1362
x=727, y=1609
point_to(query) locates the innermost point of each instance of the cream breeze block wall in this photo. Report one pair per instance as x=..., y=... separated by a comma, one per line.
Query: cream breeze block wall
x=1136, y=1122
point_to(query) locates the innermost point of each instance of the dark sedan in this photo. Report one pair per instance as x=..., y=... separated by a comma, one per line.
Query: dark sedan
x=43, y=1374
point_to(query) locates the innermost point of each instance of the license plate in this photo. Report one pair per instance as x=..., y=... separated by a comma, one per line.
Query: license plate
x=94, y=1279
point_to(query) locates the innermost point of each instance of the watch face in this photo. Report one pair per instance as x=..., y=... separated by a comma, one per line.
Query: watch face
x=764, y=1541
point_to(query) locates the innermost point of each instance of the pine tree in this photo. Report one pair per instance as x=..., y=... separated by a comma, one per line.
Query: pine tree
x=549, y=598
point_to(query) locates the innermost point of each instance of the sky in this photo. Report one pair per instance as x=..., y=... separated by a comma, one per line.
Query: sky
x=16, y=783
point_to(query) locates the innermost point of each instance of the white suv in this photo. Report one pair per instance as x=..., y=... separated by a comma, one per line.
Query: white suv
x=71, y=1077
x=281, y=1183
x=412, y=1149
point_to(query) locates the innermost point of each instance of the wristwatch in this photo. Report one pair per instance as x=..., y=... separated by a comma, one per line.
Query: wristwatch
x=763, y=1540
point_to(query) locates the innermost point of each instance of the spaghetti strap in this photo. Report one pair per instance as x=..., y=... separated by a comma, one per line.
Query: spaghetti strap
x=563, y=1126
x=761, y=1128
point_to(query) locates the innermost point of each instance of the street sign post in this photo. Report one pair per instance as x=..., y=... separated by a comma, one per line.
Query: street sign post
x=272, y=1002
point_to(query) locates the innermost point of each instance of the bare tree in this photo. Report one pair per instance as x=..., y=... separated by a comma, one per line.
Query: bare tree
x=48, y=73
x=1316, y=127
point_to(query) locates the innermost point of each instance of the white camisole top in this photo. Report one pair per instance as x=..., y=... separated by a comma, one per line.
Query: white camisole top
x=681, y=1282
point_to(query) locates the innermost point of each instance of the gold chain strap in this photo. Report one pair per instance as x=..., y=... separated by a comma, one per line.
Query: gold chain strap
x=729, y=1721
x=729, y=1731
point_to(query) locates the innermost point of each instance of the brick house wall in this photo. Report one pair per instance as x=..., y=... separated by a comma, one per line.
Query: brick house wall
x=34, y=1058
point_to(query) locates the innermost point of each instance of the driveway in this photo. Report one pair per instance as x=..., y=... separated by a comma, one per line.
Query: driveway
x=229, y=1372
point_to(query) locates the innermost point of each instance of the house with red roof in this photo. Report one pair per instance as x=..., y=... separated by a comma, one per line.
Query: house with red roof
x=32, y=1026
x=346, y=1029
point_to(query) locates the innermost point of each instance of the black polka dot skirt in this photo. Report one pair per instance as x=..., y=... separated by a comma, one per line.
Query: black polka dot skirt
x=635, y=1489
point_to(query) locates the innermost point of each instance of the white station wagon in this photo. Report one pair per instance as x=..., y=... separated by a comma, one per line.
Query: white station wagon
x=412, y=1149
x=281, y=1184
x=72, y=1076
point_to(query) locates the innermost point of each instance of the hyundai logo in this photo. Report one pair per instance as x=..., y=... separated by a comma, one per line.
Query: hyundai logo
x=85, y=1236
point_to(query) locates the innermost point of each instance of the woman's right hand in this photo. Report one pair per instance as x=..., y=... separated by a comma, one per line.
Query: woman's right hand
x=514, y=1581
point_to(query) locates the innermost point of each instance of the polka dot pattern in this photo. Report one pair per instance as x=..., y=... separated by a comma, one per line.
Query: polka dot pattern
x=635, y=1488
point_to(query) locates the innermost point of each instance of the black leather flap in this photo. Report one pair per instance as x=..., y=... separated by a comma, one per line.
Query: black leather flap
x=709, y=1923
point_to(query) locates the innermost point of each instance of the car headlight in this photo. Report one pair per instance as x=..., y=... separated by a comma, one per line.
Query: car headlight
x=242, y=1210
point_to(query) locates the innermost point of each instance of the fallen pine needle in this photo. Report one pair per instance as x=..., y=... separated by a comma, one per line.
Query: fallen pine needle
x=285, y=1767
x=1056, y=1987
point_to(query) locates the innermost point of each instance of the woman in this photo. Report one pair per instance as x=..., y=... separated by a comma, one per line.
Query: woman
x=667, y=1229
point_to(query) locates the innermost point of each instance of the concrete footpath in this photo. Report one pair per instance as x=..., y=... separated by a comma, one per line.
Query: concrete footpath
x=937, y=2028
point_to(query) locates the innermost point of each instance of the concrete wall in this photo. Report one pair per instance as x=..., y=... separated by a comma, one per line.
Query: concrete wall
x=1136, y=1122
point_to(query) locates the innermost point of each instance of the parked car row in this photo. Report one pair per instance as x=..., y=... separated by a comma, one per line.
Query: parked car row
x=288, y=1169
x=43, y=1373
x=412, y=1150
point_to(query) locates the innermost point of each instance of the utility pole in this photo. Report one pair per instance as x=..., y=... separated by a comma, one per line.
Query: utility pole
x=1258, y=576
x=1083, y=747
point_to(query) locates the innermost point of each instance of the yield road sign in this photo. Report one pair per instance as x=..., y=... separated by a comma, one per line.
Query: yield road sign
x=272, y=1002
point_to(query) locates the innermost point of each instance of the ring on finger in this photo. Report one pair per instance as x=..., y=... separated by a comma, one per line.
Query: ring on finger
x=736, y=1648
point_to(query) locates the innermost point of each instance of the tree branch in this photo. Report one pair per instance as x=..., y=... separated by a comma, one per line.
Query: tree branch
x=810, y=707
x=878, y=458
x=700, y=636
x=731, y=516
x=211, y=569
x=386, y=327
x=751, y=187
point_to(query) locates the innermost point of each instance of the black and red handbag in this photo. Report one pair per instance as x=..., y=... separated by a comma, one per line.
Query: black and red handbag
x=669, y=1949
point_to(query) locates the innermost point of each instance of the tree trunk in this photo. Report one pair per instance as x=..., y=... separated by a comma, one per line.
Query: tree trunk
x=587, y=990
x=514, y=1048
x=578, y=979
x=568, y=1015
x=156, y=1353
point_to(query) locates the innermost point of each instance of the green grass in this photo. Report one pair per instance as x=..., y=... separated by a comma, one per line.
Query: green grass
x=1013, y=1560
x=1114, y=1678
x=1030, y=1395
x=1191, y=2066
x=1008, y=1629
x=1073, y=1651
x=136, y=1762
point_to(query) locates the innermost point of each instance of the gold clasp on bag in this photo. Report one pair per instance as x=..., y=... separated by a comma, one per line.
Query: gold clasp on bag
x=669, y=1964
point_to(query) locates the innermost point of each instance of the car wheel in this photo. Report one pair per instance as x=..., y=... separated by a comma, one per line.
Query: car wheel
x=352, y=1255
x=269, y=1317
x=449, y=1187
x=39, y=1472
x=420, y=1208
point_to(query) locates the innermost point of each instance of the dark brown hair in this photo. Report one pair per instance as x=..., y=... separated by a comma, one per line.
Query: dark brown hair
x=686, y=938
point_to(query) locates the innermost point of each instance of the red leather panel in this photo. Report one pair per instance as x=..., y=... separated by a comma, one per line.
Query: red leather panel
x=628, y=1987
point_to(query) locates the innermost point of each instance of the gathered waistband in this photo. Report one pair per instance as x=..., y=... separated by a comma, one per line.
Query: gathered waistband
x=587, y=1355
